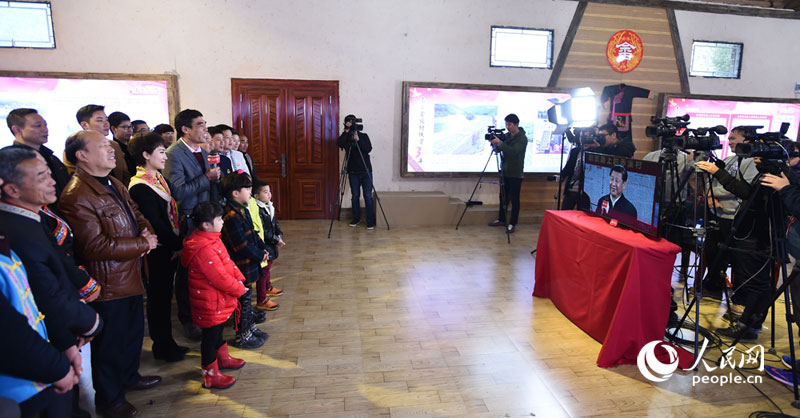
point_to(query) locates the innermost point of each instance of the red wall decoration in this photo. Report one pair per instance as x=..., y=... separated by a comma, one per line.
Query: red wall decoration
x=624, y=51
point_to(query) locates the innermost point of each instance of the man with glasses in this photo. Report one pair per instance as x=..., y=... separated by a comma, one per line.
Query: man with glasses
x=191, y=179
x=122, y=130
x=613, y=144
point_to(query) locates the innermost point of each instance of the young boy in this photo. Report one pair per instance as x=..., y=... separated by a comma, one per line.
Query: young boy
x=247, y=250
x=263, y=214
x=218, y=145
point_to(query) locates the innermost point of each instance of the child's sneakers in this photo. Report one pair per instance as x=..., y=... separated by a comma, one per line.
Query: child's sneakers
x=259, y=317
x=246, y=340
x=274, y=292
x=267, y=306
x=261, y=335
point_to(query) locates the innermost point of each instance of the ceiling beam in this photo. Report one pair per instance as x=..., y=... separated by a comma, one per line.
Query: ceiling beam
x=715, y=8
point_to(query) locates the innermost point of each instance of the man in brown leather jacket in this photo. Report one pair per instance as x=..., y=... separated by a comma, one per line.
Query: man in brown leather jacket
x=111, y=236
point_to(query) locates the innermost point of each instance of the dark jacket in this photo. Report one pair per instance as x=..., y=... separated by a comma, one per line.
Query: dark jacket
x=107, y=234
x=272, y=232
x=190, y=185
x=354, y=163
x=245, y=247
x=623, y=148
x=66, y=316
x=61, y=234
x=754, y=224
x=121, y=172
x=513, y=149
x=225, y=166
x=250, y=166
x=154, y=209
x=58, y=171
x=623, y=206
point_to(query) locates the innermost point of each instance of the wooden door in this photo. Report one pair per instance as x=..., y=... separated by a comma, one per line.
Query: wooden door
x=292, y=126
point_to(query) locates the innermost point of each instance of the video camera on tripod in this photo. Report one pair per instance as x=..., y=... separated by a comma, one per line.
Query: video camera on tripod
x=770, y=145
x=585, y=136
x=492, y=131
x=675, y=134
x=355, y=125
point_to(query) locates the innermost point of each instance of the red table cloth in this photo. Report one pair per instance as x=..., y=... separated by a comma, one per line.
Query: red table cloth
x=613, y=283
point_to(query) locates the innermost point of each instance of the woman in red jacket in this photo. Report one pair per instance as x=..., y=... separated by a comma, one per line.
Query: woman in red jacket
x=215, y=284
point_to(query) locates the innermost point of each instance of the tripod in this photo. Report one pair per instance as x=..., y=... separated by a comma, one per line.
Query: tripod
x=503, y=198
x=776, y=226
x=342, y=185
x=699, y=234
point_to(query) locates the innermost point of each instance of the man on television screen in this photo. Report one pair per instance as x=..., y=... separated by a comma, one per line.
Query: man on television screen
x=615, y=201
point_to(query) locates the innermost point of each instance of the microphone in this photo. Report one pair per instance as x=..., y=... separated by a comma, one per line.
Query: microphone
x=684, y=118
x=213, y=159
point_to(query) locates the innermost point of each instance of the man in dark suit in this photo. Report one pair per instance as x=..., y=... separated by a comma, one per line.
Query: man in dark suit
x=30, y=131
x=191, y=177
x=615, y=201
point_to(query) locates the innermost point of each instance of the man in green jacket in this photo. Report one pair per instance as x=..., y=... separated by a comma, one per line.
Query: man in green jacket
x=513, y=156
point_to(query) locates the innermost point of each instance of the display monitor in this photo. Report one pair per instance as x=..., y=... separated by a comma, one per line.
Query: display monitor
x=623, y=189
x=58, y=99
x=444, y=127
x=709, y=111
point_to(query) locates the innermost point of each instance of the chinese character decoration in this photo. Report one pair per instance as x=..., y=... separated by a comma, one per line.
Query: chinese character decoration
x=624, y=51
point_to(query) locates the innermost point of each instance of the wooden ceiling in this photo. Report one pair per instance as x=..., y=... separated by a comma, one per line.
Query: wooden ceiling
x=774, y=4
x=784, y=9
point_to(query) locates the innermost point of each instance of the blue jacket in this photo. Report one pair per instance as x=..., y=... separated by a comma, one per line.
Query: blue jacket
x=27, y=361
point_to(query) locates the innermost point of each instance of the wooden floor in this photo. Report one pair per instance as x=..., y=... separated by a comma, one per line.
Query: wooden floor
x=429, y=322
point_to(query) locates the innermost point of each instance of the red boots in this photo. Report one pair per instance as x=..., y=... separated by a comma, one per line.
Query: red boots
x=212, y=378
x=226, y=361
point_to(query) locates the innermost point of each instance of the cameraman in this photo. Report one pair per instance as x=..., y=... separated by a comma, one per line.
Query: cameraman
x=750, y=264
x=513, y=157
x=722, y=209
x=612, y=145
x=359, y=168
x=573, y=169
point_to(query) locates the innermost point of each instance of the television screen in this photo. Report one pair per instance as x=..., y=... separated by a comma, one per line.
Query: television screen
x=58, y=99
x=445, y=128
x=623, y=189
x=729, y=112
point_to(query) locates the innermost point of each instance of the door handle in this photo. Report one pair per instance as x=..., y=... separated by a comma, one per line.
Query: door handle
x=283, y=165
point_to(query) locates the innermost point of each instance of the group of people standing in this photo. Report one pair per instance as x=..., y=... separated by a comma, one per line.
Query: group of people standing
x=82, y=242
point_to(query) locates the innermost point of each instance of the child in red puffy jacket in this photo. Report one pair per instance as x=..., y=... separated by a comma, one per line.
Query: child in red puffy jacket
x=215, y=284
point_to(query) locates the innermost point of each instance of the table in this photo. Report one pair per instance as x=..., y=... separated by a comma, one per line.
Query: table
x=613, y=283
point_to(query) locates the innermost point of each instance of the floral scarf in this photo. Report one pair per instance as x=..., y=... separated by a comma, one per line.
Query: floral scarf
x=159, y=185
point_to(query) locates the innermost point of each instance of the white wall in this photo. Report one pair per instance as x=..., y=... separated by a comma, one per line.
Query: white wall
x=770, y=58
x=370, y=46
